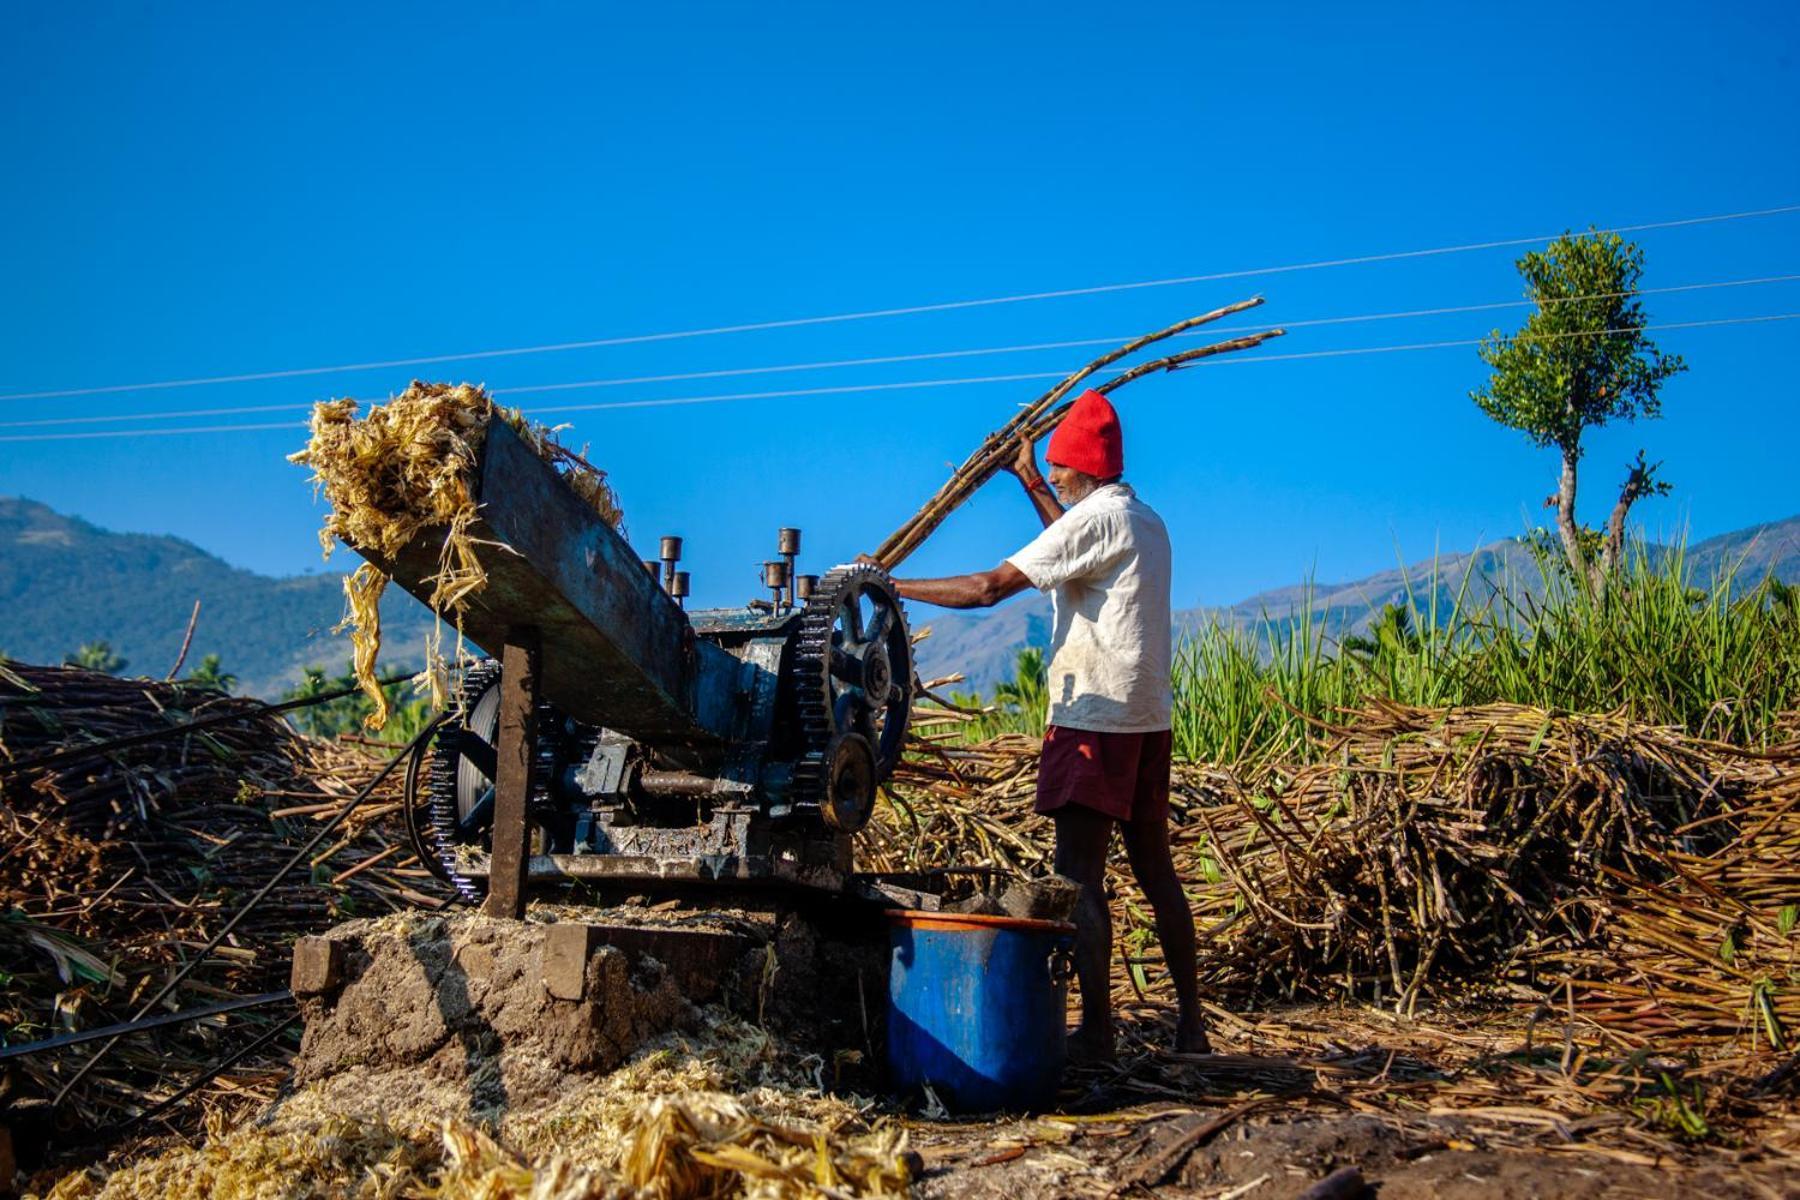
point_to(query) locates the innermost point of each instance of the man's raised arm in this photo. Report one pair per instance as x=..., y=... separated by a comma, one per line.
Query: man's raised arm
x=1024, y=468
x=982, y=589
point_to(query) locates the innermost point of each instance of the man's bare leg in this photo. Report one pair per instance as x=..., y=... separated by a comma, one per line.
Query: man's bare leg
x=1082, y=836
x=1147, y=846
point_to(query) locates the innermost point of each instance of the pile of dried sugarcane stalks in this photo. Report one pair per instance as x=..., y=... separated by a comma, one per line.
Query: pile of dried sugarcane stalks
x=1642, y=880
x=1044, y=414
x=115, y=869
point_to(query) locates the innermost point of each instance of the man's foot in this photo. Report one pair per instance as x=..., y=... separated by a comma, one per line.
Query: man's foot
x=1090, y=1048
x=1190, y=1038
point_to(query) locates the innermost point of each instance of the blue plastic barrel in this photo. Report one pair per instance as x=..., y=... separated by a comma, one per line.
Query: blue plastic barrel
x=976, y=1008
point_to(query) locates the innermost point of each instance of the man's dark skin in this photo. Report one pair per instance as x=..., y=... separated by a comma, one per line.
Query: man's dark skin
x=1083, y=834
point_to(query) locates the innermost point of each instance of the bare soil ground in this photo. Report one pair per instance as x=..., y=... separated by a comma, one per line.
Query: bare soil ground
x=1445, y=1107
x=446, y=1021
x=1278, y=1155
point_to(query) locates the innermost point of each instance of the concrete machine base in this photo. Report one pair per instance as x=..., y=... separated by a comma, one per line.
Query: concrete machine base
x=469, y=997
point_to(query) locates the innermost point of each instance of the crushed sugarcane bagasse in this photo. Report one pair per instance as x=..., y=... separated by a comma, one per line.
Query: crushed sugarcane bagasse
x=405, y=467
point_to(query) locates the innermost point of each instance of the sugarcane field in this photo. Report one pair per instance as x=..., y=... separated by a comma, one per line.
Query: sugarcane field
x=815, y=603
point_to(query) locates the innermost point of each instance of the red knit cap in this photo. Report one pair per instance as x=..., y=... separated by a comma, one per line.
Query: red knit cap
x=1088, y=439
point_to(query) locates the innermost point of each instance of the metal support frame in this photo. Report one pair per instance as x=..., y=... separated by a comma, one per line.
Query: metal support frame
x=520, y=664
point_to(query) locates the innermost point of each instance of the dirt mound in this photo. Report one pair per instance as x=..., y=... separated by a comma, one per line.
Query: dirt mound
x=465, y=999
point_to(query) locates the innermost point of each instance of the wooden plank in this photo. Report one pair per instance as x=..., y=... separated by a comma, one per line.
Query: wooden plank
x=520, y=664
x=621, y=652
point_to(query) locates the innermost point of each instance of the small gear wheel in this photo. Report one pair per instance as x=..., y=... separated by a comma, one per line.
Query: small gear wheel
x=849, y=795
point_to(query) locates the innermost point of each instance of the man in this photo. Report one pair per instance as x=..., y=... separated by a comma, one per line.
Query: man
x=1105, y=561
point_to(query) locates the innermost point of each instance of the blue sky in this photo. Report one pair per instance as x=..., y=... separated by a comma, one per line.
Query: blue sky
x=205, y=190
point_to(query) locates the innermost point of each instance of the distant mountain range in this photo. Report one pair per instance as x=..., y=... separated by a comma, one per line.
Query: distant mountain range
x=64, y=582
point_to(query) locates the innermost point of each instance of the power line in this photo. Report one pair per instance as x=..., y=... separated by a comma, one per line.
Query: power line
x=1207, y=331
x=1762, y=320
x=914, y=384
x=890, y=359
x=871, y=314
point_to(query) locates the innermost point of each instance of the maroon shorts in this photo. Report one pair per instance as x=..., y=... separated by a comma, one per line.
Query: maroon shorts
x=1124, y=775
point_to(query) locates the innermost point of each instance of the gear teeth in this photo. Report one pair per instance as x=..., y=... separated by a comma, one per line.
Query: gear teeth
x=811, y=673
x=446, y=757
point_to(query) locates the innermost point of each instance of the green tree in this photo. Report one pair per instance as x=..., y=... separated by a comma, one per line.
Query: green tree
x=344, y=715
x=1390, y=633
x=1581, y=360
x=1025, y=698
x=211, y=673
x=96, y=656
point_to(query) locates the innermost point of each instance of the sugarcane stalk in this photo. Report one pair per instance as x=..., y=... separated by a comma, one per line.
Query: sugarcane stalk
x=1039, y=418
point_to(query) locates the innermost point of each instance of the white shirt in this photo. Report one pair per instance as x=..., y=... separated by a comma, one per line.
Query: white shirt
x=1106, y=564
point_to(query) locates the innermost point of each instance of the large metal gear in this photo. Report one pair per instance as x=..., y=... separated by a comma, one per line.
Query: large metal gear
x=460, y=777
x=853, y=688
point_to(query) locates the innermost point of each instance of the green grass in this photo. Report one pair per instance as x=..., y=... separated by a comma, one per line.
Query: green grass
x=1717, y=658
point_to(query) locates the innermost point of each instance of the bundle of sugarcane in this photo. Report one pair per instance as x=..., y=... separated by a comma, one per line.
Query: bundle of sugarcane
x=1645, y=878
x=1044, y=414
x=1704, y=947
x=120, y=863
x=1456, y=846
x=405, y=466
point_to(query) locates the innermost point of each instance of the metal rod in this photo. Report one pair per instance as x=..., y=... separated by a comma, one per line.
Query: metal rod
x=677, y=783
x=787, y=541
x=195, y=1085
x=775, y=578
x=301, y=855
x=125, y=1027
x=670, y=554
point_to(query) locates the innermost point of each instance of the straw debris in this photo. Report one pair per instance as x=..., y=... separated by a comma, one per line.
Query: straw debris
x=406, y=467
x=729, y=1113
x=116, y=868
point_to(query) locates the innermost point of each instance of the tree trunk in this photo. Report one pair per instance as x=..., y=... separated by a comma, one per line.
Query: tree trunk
x=1640, y=481
x=1614, y=547
x=1566, y=527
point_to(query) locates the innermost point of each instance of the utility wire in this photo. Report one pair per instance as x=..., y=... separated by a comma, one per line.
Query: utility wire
x=871, y=314
x=794, y=393
x=883, y=360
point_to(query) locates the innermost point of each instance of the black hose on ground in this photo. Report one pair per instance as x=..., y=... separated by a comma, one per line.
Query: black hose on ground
x=300, y=855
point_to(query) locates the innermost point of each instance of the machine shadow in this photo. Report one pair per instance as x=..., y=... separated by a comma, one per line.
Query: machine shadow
x=479, y=1042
